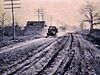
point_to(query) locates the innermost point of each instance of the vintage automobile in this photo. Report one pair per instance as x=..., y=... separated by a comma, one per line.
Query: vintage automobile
x=52, y=31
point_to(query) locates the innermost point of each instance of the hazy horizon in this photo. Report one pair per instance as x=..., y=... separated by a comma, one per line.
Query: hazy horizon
x=66, y=11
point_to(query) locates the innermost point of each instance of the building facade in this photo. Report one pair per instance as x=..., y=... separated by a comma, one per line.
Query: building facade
x=34, y=27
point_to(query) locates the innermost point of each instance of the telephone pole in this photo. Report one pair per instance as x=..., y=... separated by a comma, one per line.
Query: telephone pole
x=40, y=14
x=50, y=20
x=42, y=17
x=57, y=23
x=13, y=5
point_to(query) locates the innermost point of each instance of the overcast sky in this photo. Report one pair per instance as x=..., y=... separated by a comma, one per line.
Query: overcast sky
x=66, y=11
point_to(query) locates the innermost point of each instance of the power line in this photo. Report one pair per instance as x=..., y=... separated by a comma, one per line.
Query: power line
x=54, y=21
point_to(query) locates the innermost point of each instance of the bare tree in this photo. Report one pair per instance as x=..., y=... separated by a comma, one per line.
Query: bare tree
x=91, y=15
x=2, y=22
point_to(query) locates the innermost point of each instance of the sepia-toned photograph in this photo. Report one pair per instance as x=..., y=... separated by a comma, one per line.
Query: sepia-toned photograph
x=49, y=37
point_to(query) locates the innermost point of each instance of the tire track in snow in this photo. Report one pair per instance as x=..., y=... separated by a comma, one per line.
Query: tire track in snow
x=66, y=56
x=32, y=61
x=44, y=61
x=15, y=66
x=53, y=64
x=83, y=61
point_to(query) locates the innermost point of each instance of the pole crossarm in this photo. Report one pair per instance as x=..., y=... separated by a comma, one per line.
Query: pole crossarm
x=13, y=4
x=11, y=0
x=11, y=8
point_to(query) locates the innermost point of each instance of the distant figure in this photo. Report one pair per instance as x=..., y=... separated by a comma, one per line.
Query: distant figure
x=52, y=31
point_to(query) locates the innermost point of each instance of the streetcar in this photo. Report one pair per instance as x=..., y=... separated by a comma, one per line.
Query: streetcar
x=52, y=31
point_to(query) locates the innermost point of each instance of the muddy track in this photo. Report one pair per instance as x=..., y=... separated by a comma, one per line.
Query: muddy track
x=67, y=55
x=32, y=59
x=86, y=60
x=53, y=64
x=16, y=66
x=49, y=56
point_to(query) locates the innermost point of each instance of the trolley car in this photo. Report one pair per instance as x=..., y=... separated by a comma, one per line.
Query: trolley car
x=52, y=31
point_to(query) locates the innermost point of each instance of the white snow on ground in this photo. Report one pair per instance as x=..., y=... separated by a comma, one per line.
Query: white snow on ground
x=36, y=53
x=87, y=44
x=45, y=58
x=44, y=55
x=26, y=43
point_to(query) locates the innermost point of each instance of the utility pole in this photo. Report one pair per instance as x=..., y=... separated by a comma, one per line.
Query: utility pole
x=13, y=5
x=40, y=14
x=50, y=20
x=42, y=17
x=57, y=23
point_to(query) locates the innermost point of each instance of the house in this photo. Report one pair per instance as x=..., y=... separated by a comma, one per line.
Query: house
x=34, y=27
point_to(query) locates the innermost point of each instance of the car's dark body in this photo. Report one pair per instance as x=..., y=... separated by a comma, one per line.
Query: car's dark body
x=52, y=31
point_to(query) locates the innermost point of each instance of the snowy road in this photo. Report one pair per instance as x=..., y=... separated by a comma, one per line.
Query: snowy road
x=70, y=54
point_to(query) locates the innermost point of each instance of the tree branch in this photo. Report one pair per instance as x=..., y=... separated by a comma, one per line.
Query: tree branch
x=97, y=19
x=96, y=23
x=87, y=16
x=86, y=20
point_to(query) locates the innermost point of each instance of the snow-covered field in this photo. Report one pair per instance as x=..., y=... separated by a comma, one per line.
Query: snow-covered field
x=69, y=54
